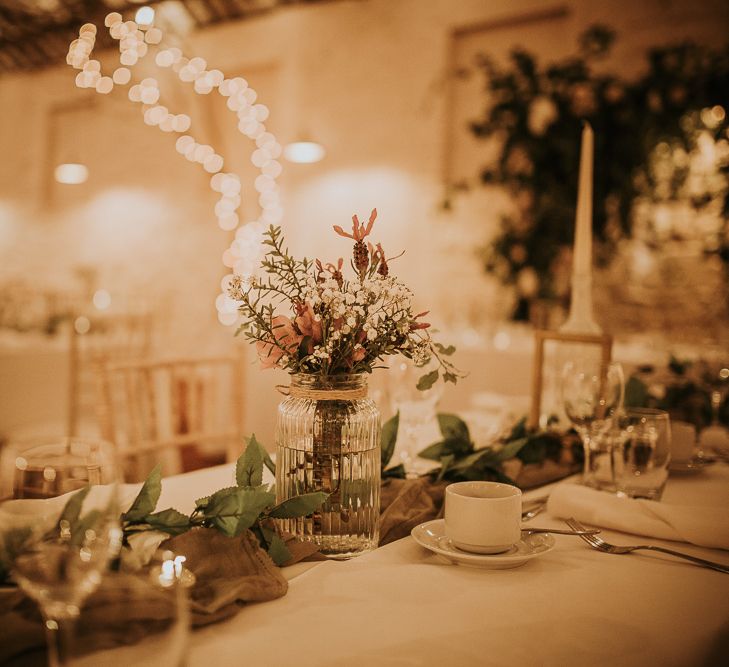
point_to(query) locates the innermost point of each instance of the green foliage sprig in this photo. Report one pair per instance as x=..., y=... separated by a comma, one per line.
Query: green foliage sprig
x=683, y=388
x=461, y=461
x=535, y=111
x=308, y=317
x=232, y=510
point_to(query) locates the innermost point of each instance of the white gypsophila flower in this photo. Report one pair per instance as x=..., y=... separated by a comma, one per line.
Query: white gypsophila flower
x=372, y=334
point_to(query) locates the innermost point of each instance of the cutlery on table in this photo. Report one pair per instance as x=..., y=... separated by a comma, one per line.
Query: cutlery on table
x=554, y=531
x=536, y=506
x=601, y=545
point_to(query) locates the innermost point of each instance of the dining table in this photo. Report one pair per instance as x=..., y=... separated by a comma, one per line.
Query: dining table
x=404, y=605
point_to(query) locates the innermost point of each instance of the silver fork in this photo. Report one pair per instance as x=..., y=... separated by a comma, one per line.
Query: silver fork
x=601, y=545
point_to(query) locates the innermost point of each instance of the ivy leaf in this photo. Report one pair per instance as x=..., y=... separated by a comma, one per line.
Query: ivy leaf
x=72, y=508
x=249, y=467
x=453, y=427
x=302, y=505
x=277, y=549
x=169, y=521
x=388, y=439
x=235, y=509
x=147, y=498
x=447, y=351
x=427, y=381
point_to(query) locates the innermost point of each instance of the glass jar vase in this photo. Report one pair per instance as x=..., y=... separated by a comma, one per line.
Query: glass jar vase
x=328, y=439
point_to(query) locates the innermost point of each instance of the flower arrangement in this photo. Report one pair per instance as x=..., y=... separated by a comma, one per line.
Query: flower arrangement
x=647, y=131
x=335, y=325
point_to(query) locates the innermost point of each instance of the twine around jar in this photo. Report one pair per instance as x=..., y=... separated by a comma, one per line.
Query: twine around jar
x=322, y=394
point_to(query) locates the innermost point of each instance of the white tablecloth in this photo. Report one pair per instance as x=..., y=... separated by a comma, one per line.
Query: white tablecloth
x=402, y=605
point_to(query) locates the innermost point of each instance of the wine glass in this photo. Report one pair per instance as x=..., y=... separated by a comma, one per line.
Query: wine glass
x=642, y=460
x=592, y=394
x=417, y=410
x=59, y=527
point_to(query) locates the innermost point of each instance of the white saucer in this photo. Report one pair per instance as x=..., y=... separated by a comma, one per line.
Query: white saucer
x=431, y=535
x=696, y=464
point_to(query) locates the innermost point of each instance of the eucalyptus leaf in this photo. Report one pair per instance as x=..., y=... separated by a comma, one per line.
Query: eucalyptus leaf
x=249, y=467
x=169, y=521
x=388, y=439
x=453, y=427
x=146, y=500
x=427, y=381
x=235, y=509
x=297, y=506
x=72, y=508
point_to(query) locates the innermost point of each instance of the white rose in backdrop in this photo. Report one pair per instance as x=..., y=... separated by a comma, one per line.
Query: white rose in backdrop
x=542, y=113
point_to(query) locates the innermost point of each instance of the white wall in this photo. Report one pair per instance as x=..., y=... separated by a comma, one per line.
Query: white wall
x=367, y=79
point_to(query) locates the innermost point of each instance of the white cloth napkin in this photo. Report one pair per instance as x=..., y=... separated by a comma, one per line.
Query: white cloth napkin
x=703, y=526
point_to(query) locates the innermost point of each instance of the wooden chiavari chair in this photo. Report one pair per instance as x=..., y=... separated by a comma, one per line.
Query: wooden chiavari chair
x=95, y=340
x=182, y=413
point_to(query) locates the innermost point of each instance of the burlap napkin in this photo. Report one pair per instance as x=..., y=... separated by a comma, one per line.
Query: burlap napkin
x=405, y=503
x=229, y=572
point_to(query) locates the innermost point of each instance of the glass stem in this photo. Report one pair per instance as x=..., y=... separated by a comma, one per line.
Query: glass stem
x=715, y=405
x=587, y=464
x=59, y=639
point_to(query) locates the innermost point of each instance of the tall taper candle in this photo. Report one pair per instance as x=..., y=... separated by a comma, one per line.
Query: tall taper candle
x=580, y=318
x=583, y=221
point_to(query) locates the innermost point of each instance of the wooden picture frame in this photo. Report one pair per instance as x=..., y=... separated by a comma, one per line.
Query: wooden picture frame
x=541, y=336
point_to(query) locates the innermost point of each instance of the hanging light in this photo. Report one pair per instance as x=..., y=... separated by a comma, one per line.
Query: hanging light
x=71, y=173
x=304, y=152
x=144, y=16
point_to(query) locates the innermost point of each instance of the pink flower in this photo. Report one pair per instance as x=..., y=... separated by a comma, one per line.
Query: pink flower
x=415, y=325
x=358, y=354
x=307, y=323
x=286, y=337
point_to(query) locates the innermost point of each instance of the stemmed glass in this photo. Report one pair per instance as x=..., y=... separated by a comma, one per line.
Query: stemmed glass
x=417, y=411
x=592, y=394
x=716, y=376
x=59, y=527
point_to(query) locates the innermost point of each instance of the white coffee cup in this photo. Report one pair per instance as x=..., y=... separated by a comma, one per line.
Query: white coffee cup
x=683, y=440
x=483, y=517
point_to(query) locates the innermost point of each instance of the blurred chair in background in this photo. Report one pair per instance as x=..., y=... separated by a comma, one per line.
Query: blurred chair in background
x=97, y=340
x=182, y=413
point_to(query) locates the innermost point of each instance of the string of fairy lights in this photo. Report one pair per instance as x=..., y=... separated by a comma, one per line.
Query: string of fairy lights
x=245, y=251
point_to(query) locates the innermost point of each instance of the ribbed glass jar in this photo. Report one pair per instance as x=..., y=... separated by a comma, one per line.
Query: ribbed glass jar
x=328, y=439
